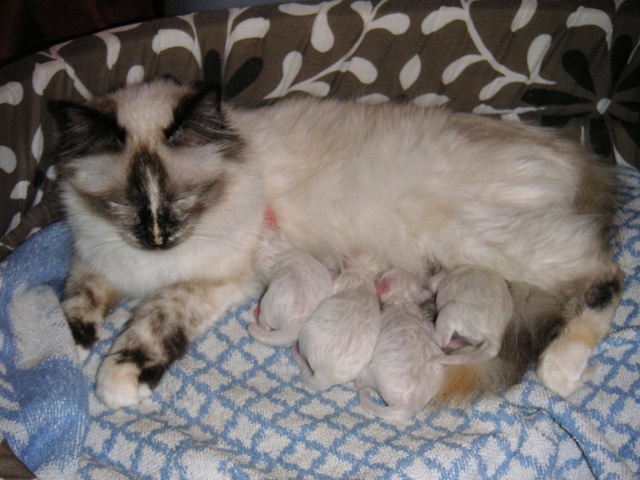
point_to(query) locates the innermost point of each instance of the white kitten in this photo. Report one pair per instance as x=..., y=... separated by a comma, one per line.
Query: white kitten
x=339, y=338
x=296, y=284
x=403, y=370
x=474, y=307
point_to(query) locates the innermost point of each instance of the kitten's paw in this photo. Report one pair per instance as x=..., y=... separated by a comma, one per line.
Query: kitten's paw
x=118, y=383
x=563, y=365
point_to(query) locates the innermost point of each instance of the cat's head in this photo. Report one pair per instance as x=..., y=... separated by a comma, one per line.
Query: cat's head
x=149, y=158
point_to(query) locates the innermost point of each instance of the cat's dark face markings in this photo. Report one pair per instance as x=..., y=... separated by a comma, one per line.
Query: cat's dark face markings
x=164, y=213
x=149, y=192
x=151, y=202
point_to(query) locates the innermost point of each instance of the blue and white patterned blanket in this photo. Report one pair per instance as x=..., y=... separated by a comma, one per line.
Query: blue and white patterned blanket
x=232, y=408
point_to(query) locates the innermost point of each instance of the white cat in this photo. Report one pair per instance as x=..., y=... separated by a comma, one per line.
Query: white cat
x=164, y=190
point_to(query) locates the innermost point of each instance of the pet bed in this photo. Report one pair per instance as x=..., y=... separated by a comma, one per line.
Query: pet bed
x=233, y=408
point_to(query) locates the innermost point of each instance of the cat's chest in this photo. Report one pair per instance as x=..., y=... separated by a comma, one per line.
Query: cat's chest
x=139, y=272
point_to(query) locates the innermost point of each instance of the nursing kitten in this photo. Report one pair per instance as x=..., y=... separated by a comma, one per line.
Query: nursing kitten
x=165, y=188
x=296, y=284
x=337, y=341
x=474, y=308
x=404, y=369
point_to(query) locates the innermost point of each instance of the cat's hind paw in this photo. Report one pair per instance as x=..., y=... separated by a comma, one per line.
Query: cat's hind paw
x=563, y=365
x=118, y=383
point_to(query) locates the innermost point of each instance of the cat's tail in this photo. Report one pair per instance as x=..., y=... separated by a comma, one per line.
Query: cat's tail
x=391, y=413
x=537, y=319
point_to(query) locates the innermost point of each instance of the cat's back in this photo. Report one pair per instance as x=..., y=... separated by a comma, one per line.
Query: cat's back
x=430, y=180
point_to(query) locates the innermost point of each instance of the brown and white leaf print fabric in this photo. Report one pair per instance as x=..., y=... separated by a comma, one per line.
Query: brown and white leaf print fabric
x=571, y=64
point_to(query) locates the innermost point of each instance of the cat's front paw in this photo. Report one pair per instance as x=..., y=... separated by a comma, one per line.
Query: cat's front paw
x=118, y=383
x=563, y=365
x=83, y=319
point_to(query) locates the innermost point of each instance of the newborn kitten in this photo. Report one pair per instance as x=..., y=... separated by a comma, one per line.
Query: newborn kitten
x=403, y=370
x=296, y=284
x=474, y=307
x=338, y=340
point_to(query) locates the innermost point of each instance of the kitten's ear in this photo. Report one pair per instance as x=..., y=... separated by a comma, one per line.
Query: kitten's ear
x=425, y=294
x=382, y=289
x=85, y=131
x=198, y=120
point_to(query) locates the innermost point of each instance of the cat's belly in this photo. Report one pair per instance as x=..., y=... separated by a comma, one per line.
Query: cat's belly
x=544, y=247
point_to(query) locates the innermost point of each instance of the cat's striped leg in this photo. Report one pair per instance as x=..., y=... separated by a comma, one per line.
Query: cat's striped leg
x=590, y=306
x=161, y=328
x=87, y=298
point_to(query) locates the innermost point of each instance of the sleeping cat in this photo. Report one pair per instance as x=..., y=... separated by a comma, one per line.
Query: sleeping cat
x=165, y=187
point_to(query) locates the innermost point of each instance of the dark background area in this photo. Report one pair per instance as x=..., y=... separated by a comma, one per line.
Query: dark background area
x=27, y=26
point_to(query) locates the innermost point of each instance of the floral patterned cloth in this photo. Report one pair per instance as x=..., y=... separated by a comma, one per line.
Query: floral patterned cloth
x=574, y=64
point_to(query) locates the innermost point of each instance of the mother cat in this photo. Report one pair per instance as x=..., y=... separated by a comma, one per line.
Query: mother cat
x=165, y=188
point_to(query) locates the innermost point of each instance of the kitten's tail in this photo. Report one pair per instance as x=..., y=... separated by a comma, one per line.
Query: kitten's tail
x=309, y=378
x=284, y=337
x=537, y=320
x=389, y=413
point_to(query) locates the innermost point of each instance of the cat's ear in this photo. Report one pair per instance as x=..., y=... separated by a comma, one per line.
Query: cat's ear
x=85, y=130
x=198, y=119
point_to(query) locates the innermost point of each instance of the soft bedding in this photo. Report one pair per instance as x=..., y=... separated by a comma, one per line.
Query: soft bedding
x=233, y=408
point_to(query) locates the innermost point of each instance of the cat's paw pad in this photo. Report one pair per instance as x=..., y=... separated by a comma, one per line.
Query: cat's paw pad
x=562, y=367
x=118, y=384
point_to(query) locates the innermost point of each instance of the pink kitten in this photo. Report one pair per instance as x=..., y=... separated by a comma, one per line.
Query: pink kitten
x=403, y=370
x=296, y=284
x=339, y=338
x=474, y=307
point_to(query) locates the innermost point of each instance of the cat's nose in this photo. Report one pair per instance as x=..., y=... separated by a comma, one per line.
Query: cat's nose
x=155, y=238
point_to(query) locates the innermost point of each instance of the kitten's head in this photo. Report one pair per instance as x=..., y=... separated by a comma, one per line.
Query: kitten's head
x=149, y=158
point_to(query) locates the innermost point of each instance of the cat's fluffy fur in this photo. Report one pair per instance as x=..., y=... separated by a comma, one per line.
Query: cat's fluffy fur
x=404, y=369
x=337, y=341
x=164, y=191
